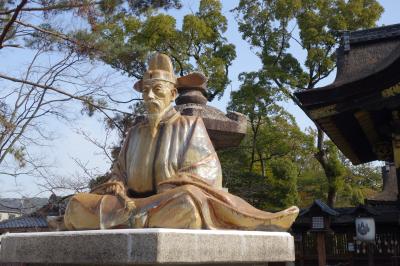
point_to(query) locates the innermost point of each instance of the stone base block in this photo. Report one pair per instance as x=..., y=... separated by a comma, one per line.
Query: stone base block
x=148, y=247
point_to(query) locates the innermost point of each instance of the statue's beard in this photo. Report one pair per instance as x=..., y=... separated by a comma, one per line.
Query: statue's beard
x=155, y=112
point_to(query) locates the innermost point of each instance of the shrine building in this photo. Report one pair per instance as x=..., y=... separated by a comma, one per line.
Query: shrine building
x=360, y=113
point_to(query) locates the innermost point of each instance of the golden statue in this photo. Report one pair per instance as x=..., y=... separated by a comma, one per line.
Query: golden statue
x=168, y=173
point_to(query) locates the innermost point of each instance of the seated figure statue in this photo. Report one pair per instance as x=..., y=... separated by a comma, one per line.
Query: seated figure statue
x=168, y=174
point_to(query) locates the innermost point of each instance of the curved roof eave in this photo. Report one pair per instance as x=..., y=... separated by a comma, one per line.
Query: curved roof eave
x=338, y=90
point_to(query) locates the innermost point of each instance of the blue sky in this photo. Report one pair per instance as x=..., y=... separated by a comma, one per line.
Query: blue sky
x=67, y=144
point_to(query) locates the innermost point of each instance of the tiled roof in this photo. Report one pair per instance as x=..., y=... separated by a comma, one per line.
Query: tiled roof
x=388, y=212
x=373, y=34
x=24, y=222
x=324, y=208
x=24, y=205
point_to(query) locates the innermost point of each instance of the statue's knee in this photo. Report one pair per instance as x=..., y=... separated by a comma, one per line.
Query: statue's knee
x=70, y=211
x=82, y=212
x=179, y=212
x=72, y=201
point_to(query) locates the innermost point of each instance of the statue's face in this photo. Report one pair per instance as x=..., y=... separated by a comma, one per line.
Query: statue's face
x=158, y=95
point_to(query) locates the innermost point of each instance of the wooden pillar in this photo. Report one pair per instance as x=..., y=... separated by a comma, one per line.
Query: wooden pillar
x=303, y=237
x=396, y=158
x=396, y=147
x=371, y=254
x=321, y=248
x=350, y=235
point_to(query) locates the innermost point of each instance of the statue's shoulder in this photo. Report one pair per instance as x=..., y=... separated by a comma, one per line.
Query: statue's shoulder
x=192, y=120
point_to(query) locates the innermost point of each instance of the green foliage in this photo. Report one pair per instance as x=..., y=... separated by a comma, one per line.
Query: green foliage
x=276, y=166
x=285, y=173
x=352, y=184
x=359, y=182
x=255, y=98
x=125, y=40
x=311, y=184
x=265, y=167
x=272, y=192
x=142, y=6
x=270, y=26
x=273, y=26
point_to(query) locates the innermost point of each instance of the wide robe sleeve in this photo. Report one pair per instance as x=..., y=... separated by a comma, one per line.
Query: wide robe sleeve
x=199, y=161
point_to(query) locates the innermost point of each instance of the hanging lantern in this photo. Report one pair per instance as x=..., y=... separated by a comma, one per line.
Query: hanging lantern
x=365, y=228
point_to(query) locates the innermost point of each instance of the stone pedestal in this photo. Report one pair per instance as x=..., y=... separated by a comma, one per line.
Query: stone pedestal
x=149, y=247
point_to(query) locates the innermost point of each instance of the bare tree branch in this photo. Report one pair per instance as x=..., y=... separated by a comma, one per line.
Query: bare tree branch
x=11, y=21
x=57, y=35
x=50, y=8
x=102, y=146
x=79, y=98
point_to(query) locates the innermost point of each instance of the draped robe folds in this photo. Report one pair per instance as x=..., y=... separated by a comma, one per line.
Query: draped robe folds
x=175, y=177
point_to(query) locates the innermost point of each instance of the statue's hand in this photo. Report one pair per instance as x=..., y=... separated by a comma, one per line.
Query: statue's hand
x=116, y=188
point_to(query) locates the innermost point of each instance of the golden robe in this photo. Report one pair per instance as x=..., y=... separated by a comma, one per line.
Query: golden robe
x=174, y=181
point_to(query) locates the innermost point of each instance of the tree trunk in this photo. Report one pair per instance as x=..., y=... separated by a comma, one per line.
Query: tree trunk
x=323, y=160
x=263, y=170
x=253, y=152
x=332, y=193
x=254, y=128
